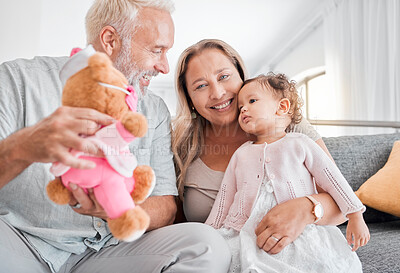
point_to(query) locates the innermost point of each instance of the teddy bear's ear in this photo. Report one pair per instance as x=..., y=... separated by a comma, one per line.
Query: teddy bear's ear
x=100, y=65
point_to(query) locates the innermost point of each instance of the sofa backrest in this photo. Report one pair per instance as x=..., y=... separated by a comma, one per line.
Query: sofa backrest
x=360, y=157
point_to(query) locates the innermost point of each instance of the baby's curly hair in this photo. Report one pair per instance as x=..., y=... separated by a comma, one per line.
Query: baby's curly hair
x=282, y=88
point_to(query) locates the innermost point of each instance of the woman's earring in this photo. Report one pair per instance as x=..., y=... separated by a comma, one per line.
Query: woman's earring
x=193, y=114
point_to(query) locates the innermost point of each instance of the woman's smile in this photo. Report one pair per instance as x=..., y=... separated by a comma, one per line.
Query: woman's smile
x=213, y=85
x=223, y=106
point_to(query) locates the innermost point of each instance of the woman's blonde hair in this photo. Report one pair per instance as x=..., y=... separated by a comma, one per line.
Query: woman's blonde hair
x=282, y=87
x=187, y=133
x=120, y=14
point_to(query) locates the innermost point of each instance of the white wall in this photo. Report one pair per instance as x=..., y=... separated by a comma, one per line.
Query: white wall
x=255, y=28
x=41, y=27
x=19, y=22
x=308, y=54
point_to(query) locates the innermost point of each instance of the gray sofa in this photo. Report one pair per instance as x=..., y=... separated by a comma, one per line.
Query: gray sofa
x=360, y=157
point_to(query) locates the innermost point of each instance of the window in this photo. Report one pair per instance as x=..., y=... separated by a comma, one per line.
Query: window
x=313, y=91
x=319, y=101
x=322, y=106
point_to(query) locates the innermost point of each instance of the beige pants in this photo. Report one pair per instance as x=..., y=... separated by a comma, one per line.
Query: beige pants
x=189, y=247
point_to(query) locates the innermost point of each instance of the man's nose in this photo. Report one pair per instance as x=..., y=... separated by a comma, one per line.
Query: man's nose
x=163, y=66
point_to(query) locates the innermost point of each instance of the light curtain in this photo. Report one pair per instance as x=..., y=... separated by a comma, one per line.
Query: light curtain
x=362, y=55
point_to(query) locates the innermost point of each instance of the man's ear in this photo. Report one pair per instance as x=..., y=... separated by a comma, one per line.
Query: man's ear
x=284, y=107
x=110, y=41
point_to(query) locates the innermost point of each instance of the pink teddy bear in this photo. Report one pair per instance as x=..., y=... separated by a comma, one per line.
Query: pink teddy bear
x=117, y=182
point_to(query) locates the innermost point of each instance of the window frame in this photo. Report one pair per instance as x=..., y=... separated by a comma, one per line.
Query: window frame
x=305, y=82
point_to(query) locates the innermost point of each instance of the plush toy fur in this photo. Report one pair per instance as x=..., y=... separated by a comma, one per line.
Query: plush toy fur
x=83, y=90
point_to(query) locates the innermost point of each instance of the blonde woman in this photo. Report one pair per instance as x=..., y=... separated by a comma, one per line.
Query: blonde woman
x=206, y=134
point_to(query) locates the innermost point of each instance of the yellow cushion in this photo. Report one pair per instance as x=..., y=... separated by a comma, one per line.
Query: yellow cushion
x=382, y=190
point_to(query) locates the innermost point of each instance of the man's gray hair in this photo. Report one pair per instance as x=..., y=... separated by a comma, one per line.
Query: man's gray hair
x=120, y=14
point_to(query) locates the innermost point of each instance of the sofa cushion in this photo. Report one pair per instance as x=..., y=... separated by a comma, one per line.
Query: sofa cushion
x=359, y=158
x=382, y=190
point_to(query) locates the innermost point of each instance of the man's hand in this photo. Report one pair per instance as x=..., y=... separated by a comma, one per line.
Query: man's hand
x=88, y=202
x=161, y=209
x=52, y=138
x=283, y=224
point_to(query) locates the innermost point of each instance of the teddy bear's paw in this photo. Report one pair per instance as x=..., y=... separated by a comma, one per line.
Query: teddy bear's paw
x=57, y=192
x=135, y=123
x=145, y=180
x=130, y=225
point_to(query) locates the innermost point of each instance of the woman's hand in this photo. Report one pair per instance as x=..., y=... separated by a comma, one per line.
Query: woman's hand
x=283, y=224
x=88, y=202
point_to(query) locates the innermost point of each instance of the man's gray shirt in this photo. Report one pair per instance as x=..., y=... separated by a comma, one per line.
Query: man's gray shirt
x=29, y=91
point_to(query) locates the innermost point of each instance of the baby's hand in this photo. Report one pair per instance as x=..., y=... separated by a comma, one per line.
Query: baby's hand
x=357, y=233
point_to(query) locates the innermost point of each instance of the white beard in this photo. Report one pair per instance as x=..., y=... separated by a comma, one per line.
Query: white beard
x=126, y=66
x=130, y=69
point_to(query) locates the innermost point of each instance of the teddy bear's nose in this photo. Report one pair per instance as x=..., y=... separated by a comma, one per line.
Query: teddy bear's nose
x=130, y=89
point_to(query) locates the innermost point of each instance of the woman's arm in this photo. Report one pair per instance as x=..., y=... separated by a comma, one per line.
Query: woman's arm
x=287, y=221
x=321, y=144
x=332, y=214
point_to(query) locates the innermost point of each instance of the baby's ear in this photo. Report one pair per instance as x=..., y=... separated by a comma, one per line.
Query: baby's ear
x=100, y=65
x=284, y=107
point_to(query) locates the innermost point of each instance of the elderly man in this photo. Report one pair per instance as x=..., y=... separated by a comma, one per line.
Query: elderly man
x=38, y=236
